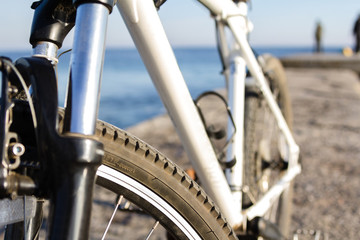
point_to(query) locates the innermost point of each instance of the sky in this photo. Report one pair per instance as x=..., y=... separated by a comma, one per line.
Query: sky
x=279, y=23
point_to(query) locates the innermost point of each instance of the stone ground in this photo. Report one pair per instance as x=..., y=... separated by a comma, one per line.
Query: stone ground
x=326, y=106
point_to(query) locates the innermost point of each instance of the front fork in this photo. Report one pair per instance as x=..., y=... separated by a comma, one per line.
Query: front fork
x=80, y=118
x=72, y=158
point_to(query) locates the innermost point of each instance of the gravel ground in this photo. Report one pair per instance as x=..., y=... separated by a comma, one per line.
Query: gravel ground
x=326, y=106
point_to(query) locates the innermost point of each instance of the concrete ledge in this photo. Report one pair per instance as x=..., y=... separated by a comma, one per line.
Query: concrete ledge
x=323, y=60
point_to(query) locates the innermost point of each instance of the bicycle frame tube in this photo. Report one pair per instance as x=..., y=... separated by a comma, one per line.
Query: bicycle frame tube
x=146, y=30
x=236, y=96
x=235, y=74
x=235, y=17
x=256, y=71
x=150, y=39
x=261, y=207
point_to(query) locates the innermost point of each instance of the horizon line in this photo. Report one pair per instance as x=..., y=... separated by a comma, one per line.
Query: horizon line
x=284, y=46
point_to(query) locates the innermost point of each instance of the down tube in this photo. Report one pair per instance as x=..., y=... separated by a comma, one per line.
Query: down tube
x=150, y=39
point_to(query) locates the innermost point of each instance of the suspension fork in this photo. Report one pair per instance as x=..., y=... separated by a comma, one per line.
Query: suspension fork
x=81, y=113
x=47, y=35
x=72, y=158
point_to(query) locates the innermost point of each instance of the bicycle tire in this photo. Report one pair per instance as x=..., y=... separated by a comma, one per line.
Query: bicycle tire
x=258, y=153
x=157, y=188
x=129, y=158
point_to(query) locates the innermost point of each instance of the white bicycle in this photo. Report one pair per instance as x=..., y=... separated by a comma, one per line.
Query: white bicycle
x=246, y=185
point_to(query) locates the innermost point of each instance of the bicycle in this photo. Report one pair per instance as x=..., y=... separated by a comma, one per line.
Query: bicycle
x=56, y=155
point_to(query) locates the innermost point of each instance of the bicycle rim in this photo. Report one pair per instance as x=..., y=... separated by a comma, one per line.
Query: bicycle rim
x=108, y=176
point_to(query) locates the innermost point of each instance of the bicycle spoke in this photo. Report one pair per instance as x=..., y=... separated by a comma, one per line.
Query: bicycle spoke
x=152, y=230
x=112, y=216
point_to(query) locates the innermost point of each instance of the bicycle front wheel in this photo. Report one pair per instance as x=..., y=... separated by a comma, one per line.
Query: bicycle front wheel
x=149, y=190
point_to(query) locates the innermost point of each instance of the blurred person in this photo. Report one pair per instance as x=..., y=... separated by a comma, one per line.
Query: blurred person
x=357, y=35
x=318, y=37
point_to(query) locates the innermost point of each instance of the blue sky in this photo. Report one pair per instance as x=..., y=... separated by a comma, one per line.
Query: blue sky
x=277, y=23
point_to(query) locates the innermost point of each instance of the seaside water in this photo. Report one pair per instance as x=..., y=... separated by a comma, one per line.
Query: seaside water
x=128, y=96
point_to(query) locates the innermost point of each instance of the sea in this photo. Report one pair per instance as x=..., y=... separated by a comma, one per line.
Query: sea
x=128, y=96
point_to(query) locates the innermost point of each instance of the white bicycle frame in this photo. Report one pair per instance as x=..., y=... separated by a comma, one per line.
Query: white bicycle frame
x=145, y=27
